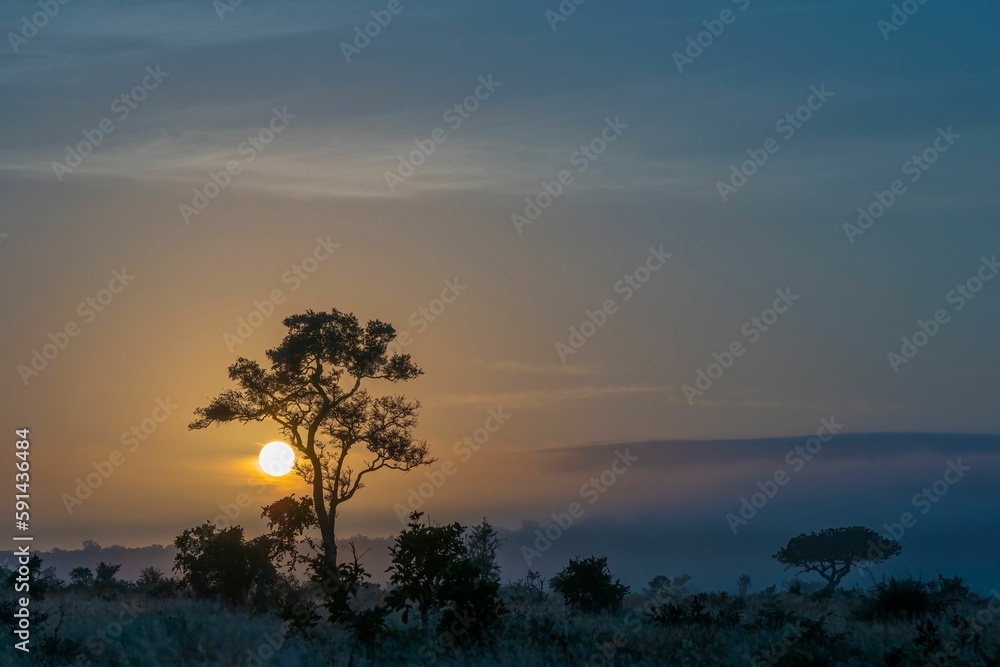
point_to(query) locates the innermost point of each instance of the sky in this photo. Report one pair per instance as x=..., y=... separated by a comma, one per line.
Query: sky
x=582, y=245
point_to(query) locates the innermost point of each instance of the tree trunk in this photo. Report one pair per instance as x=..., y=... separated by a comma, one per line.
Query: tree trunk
x=834, y=578
x=326, y=521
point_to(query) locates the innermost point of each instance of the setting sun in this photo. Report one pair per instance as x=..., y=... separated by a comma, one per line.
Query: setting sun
x=276, y=459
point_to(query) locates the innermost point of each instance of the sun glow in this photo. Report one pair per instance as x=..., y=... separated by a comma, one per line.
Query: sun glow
x=276, y=459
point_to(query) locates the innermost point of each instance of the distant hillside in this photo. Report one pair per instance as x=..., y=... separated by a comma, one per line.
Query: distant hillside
x=134, y=559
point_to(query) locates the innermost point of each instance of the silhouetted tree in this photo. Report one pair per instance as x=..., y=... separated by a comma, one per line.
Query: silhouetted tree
x=289, y=519
x=42, y=580
x=483, y=544
x=154, y=582
x=81, y=577
x=833, y=552
x=421, y=557
x=433, y=570
x=220, y=564
x=106, y=573
x=105, y=582
x=471, y=605
x=313, y=391
x=587, y=585
x=662, y=587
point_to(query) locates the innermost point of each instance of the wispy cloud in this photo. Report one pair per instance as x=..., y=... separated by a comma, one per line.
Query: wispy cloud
x=510, y=366
x=536, y=397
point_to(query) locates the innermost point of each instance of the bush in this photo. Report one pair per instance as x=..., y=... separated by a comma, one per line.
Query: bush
x=587, y=586
x=219, y=564
x=155, y=583
x=434, y=571
x=907, y=599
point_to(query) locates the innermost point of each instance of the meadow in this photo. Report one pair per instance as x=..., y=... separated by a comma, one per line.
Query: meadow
x=156, y=623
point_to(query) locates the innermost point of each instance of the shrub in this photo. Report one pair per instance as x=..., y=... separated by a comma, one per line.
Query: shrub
x=907, y=599
x=587, y=585
x=662, y=587
x=433, y=571
x=156, y=583
x=219, y=564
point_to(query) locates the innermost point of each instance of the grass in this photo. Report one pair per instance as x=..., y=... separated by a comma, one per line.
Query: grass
x=80, y=628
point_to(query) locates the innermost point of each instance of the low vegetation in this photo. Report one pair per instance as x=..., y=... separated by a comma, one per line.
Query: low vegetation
x=268, y=602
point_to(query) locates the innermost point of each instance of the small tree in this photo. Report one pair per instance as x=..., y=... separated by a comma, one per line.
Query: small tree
x=483, y=544
x=105, y=580
x=421, y=557
x=470, y=601
x=43, y=580
x=81, y=577
x=106, y=574
x=662, y=587
x=220, y=564
x=833, y=552
x=433, y=570
x=533, y=581
x=154, y=582
x=588, y=586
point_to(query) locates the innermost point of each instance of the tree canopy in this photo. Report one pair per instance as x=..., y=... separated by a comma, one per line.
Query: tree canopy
x=313, y=390
x=833, y=552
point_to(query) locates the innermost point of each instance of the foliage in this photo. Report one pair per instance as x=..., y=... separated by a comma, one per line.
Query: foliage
x=587, y=585
x=81, y=577
x=422, y=557
x=313, y=392
x=43, y=580
x=482, y=545
x=71, y=627
x=529, y=589
x=693, y=611
x=910, y=599
x=434, y=571
x=219, y=564
x=288, y=521
x=833, y=552
x=662, y=587
x=155, y=583
x=471, y=604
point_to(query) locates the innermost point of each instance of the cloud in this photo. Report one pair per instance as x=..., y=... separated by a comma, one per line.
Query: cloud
x=509, y=366
x=537, y=397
